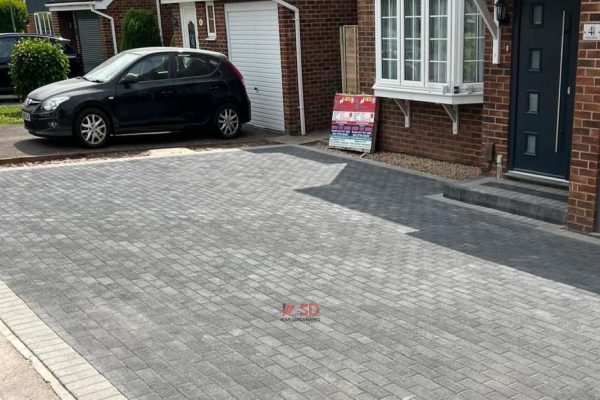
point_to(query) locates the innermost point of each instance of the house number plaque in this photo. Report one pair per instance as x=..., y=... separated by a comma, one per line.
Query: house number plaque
x=591, y=32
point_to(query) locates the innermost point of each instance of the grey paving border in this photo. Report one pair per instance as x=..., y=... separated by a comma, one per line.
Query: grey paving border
x=69, y=374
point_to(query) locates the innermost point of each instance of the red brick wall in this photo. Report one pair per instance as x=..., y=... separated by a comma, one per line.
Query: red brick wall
x=117, y=10
x=585, y=158
x=30, y=27
x=63, y=24
x=321, y=62
x=430, y=134
x=170, y=19
x=497, y=91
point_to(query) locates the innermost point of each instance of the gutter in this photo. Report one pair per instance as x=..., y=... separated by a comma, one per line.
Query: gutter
x=75, y=6
x=112, y=27
x=298, y=62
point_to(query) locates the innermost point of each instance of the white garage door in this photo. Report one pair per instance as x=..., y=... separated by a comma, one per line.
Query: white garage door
x=253, y=36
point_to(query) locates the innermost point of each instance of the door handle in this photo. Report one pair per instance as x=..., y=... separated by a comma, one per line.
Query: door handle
x=560, y=80
x=166, y=92
x=214, y=87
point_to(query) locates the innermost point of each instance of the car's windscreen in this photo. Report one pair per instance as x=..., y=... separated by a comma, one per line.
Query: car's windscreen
x=112, y=67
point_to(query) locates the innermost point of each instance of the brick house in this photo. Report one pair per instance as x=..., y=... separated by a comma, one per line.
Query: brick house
x=95, y=26
x=459, y=85
x=258, y=36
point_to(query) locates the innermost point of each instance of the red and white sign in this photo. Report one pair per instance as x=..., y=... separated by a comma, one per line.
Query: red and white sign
x=354, y=123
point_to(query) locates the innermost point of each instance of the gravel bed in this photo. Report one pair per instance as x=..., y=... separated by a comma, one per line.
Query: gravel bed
x=444, y=169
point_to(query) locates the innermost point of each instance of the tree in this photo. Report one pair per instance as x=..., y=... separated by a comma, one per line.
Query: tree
x=35, y=63
x=19, y=15
x=140, y=29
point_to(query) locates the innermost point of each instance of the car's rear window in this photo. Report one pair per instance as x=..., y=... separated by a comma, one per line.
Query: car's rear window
x=195, y=65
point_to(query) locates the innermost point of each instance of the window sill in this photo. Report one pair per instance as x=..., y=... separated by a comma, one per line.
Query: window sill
x=211, y=38
x=427, y=95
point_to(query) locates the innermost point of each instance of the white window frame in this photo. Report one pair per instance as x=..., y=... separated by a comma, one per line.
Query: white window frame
x=212, y=33
x=423, y=90
x=43, y=23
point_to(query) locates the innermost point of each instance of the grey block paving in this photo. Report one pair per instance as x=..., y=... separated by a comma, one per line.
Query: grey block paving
x=168, y=276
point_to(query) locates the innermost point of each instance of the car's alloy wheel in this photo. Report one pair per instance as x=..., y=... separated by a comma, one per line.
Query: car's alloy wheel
x=93, y=129
x=228, y=122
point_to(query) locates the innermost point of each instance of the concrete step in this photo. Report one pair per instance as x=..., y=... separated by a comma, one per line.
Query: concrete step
x=525, y=199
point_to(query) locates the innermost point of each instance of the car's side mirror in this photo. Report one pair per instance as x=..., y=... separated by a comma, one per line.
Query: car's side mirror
x=130, y=79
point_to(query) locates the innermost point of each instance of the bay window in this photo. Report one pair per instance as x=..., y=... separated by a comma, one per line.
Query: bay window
x=430, y=50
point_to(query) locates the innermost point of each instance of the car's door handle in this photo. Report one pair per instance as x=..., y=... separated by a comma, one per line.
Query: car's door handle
x=166, y=92
x=214, y=87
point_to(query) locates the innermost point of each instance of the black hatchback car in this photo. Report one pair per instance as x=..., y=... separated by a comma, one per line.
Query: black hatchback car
x=7, y=44
x=142, y=90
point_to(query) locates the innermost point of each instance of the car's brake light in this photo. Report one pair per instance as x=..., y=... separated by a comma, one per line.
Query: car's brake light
x=237, y=73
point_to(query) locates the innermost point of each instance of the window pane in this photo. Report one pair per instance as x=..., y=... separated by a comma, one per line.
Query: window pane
x=153, y=68
x=389, y=39
x=531, y=144
x=210, y=16
x=191, y=66
x=537, y=15
x=474, y=44
x=438, y=41
x=535, y=60
x=534, y=101
x=412, y=40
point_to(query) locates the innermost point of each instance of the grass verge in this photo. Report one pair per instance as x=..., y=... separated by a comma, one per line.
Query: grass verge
x=10, y=114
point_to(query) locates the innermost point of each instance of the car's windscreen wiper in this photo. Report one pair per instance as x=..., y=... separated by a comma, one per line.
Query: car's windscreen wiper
x=92, y=80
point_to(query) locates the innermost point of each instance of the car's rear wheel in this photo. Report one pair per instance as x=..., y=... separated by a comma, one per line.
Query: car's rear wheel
x=227, y=122
x=92, y=128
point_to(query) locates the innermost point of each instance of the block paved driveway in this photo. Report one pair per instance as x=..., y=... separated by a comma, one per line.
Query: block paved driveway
x=168, y=276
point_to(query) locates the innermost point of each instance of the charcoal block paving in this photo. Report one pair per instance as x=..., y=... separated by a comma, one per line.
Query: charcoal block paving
x=168, y=276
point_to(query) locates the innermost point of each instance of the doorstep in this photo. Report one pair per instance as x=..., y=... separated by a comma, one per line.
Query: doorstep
x=524, y=199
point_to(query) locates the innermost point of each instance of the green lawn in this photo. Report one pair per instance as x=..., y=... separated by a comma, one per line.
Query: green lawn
x=10, y=113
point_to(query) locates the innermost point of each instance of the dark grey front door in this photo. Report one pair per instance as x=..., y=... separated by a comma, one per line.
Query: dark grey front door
x=544, y=89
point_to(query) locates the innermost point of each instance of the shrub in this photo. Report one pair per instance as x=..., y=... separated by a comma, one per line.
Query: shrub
x=19, y=13
x=140, y=29
x=35, y=63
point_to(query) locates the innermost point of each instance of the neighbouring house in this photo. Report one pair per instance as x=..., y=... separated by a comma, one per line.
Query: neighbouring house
x=457, y=84
x=258, y=36
x=95, y=26
x=40, y=17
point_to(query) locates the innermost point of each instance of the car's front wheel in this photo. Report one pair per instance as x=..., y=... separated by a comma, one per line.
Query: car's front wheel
x=92, y=128
x=227, y=122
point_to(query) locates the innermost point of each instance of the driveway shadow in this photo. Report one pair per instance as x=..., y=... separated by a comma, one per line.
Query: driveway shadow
x=401, y=198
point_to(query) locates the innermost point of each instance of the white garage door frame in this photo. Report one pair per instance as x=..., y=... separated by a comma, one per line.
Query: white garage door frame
x=255, y=48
